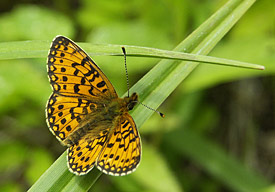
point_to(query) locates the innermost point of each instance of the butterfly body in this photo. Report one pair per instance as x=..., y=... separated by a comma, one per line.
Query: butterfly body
x=102, y=119
x=85, y=113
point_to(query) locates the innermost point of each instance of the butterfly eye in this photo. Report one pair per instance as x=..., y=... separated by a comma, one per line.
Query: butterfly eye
x=131, y=105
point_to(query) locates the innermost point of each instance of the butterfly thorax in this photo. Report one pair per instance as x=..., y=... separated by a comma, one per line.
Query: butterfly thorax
x=126, y=104
x=104, y=118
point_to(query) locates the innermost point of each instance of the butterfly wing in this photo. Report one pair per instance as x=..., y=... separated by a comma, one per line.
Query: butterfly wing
x=82, y=155
x=78, y=87
x=122, y=153
x=69, y=65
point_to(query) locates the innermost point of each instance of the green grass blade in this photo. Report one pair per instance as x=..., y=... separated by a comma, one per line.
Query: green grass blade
x=55, y=177
x=156, y=86
x=38, y=49
x=58, y=178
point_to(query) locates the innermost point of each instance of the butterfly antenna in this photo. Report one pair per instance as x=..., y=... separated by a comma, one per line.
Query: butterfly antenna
x=161, y=114
x=124, y=53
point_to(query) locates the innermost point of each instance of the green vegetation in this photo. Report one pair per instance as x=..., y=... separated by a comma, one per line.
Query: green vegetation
x=218, y=134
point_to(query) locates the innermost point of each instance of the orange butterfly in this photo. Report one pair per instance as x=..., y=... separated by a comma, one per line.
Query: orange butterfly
x=85, y=113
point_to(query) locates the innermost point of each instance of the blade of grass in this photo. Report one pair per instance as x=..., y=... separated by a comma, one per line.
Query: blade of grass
x=58, y=178
x=158, y=84
x=174, y=74
x=166, y=75
x=38, y=49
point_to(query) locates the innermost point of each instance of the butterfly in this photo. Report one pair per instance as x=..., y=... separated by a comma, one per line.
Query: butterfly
x=85, y=113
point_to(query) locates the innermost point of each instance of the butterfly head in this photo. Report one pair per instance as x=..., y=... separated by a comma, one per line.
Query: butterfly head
x=132, y=101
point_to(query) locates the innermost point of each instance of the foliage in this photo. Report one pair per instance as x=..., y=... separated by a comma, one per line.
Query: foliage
x=218, y=134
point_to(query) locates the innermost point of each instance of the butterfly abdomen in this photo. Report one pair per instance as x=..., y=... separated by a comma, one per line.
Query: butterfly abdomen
x=92, y=129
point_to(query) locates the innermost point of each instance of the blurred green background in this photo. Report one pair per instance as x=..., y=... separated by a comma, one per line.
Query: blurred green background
x=219, y=130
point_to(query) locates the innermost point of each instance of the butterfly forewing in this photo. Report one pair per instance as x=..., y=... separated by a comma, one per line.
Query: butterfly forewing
x=77, y=83
x=71, y=71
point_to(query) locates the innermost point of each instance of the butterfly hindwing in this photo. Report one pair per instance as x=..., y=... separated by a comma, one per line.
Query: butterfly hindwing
x=65, y=113
x=82, y=155
x=121, y=154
